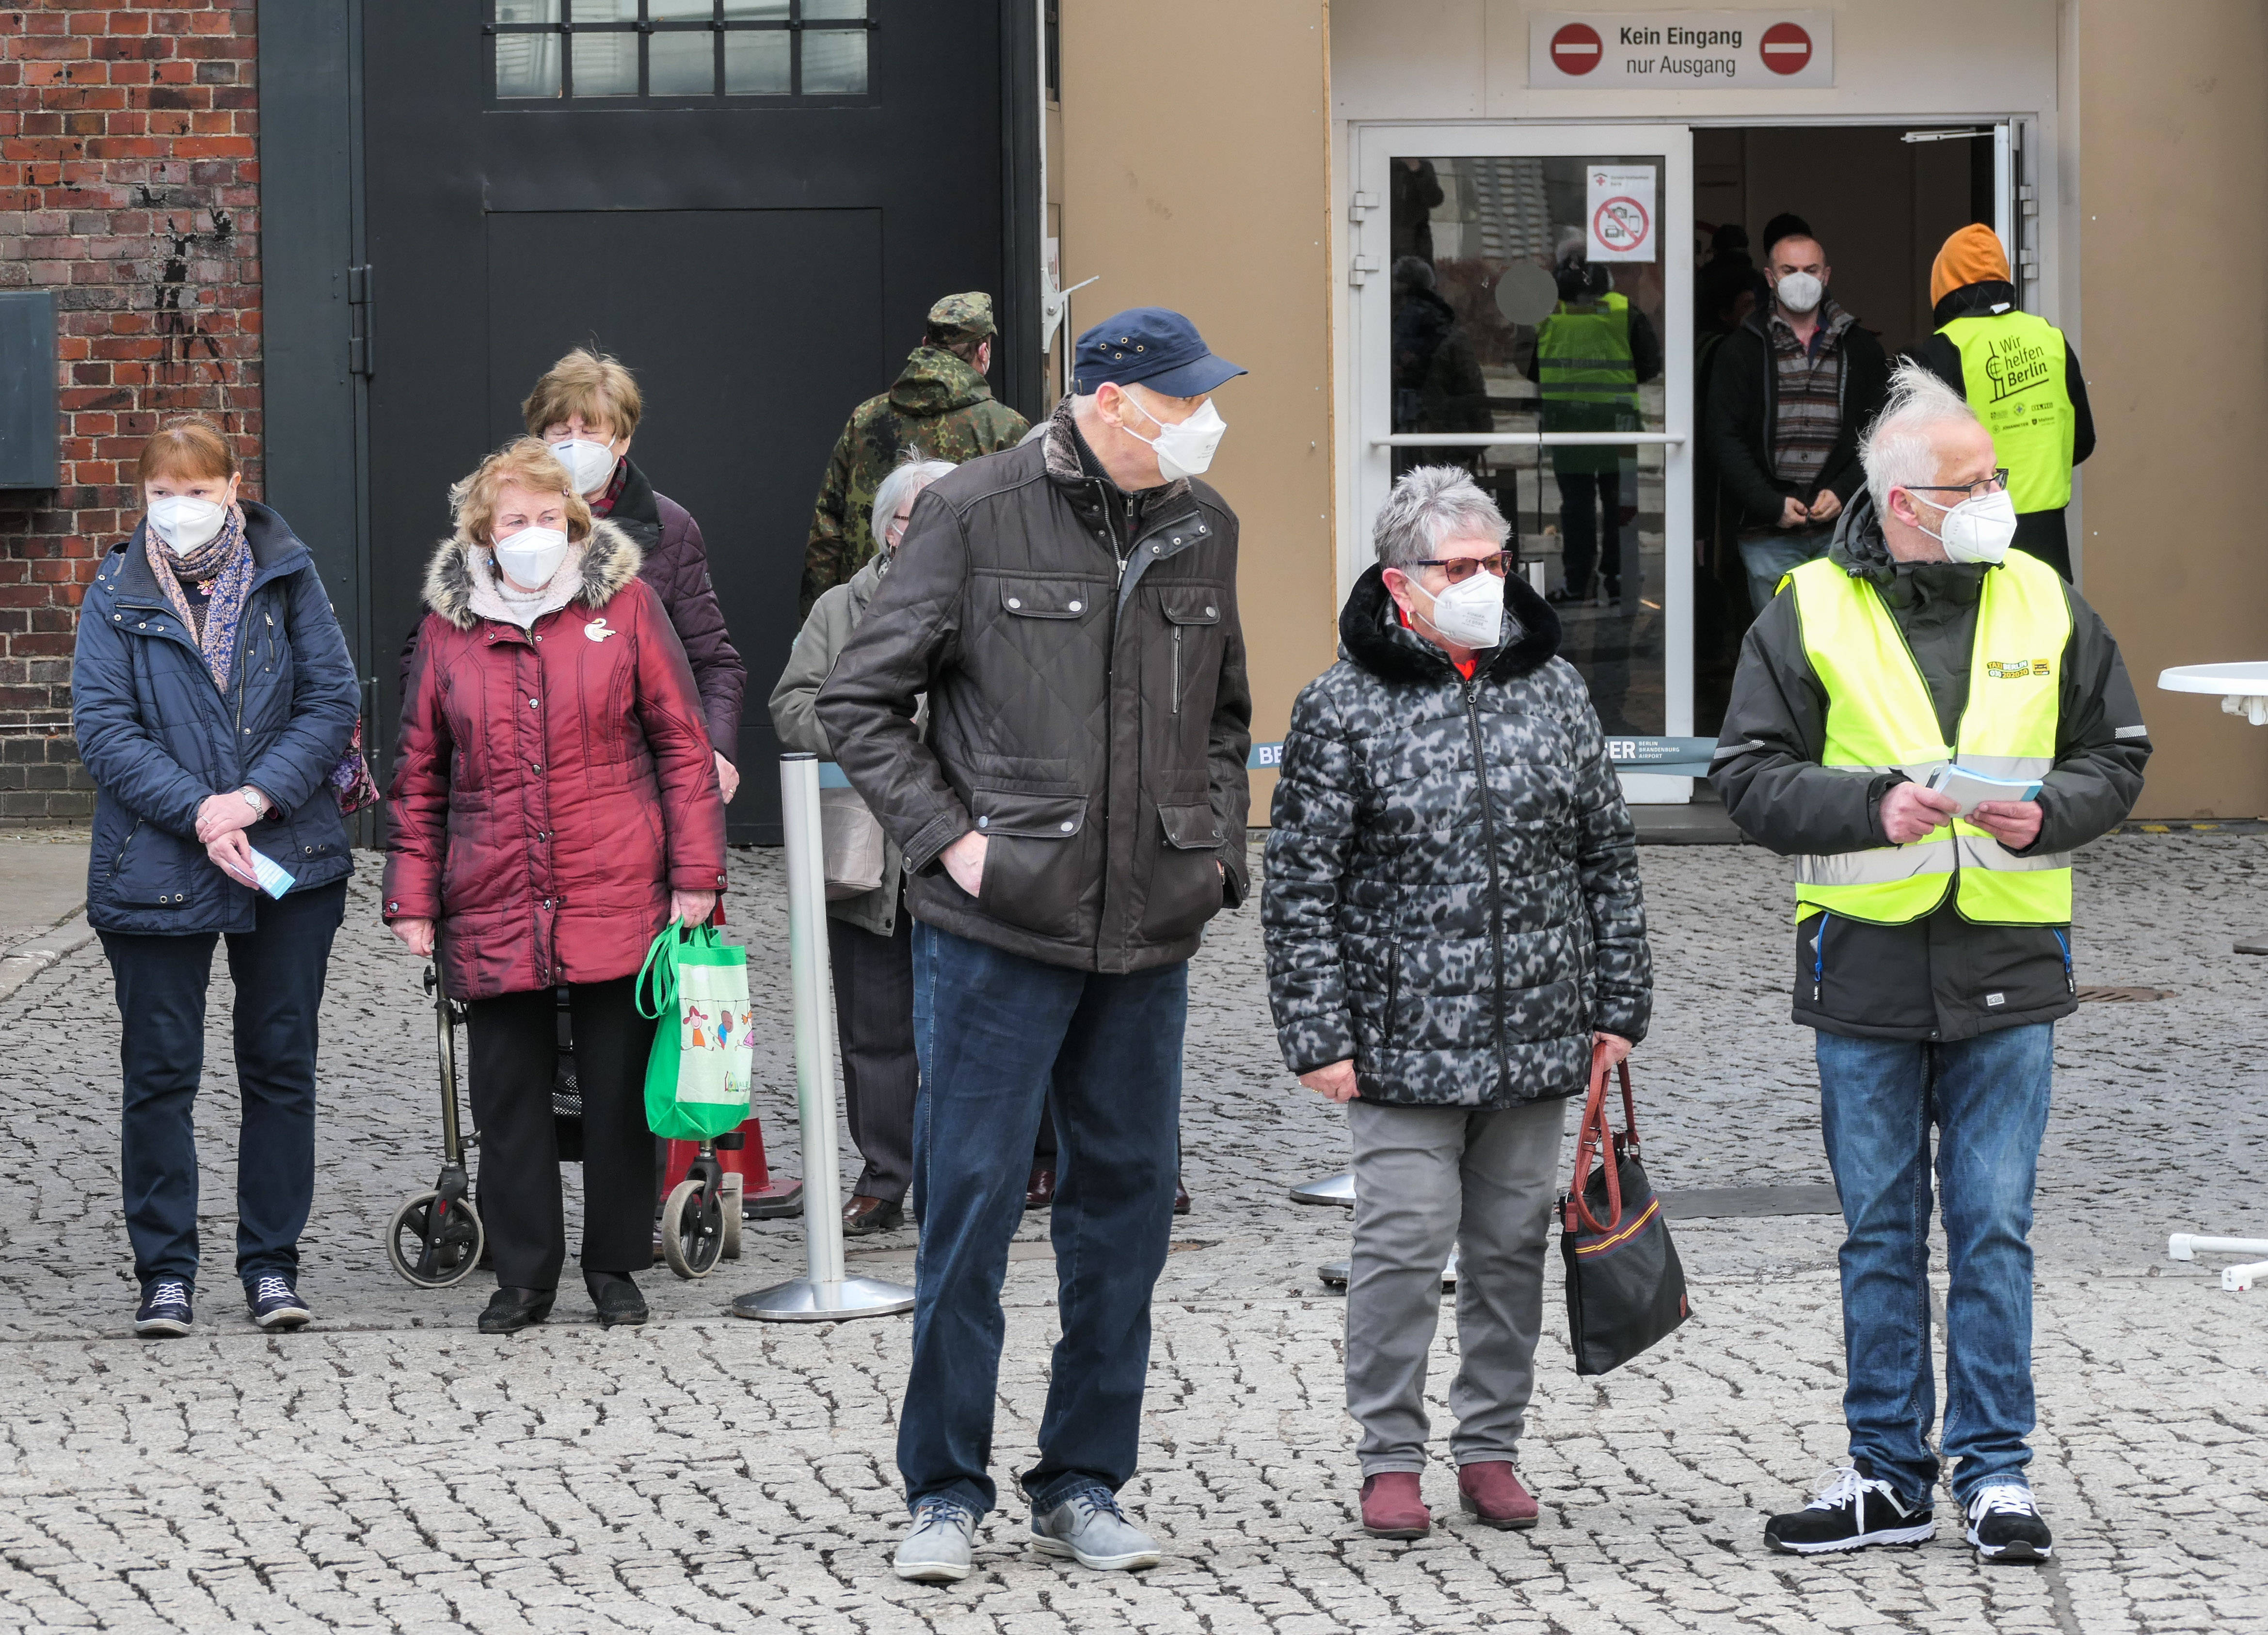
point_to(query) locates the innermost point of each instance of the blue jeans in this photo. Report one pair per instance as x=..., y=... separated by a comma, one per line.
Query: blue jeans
x=278, y=968
x=1771, y=557
x=1988, y=1097
x=994, y=1032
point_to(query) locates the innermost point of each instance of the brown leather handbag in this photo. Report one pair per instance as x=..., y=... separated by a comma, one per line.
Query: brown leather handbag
x=1626, y=1287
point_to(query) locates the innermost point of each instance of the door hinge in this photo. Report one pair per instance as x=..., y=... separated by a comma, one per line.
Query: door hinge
x=1360, y=268
x=359, y=360
x=1358, y=204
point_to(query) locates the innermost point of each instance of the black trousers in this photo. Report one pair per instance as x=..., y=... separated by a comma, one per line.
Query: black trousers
x=278, y=968
x=1589, y=539
x=515, y=1043
x=874, y=1019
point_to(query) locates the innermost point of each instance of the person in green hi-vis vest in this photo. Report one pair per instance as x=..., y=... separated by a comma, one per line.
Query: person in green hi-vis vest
x=2020, y=375
x=1592, y=353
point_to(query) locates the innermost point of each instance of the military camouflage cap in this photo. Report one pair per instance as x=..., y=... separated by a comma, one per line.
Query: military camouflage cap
x=963, y=317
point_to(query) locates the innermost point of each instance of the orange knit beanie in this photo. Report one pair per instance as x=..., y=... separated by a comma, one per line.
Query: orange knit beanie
x=1973, y=255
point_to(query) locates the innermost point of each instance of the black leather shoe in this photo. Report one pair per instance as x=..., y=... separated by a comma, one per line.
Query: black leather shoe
x=1181, y=1197
x=1040, y=1190
x=511, y=1310
x=616, y=1297
x=863, y=1216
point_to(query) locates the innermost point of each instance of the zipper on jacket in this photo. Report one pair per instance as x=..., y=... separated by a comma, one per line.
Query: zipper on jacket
x=1819, y=958
x=1495, y=887
x=1177, y=669
x=119, y=862
x=2069, y=982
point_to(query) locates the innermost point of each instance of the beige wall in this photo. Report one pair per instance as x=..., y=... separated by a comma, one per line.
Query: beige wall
x=1195, y=173
x=2173, y=119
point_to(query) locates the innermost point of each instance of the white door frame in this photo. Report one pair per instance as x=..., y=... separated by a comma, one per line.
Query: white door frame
x=1369, y=424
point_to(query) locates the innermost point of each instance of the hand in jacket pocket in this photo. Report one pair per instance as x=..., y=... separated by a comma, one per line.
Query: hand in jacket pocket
x=964, y=861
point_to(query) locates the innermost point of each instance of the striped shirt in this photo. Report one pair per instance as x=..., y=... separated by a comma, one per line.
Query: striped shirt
x=1808, y=412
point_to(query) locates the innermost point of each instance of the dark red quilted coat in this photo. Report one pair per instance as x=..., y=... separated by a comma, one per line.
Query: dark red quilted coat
x=551, y=788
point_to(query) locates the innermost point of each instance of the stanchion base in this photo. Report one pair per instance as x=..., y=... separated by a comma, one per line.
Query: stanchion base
x=1338, y=1190
x=1336, y=1273
x=800, y=1299
x=782, y=1200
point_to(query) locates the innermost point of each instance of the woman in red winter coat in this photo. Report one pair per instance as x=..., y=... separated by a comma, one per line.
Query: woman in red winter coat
x=554, y=804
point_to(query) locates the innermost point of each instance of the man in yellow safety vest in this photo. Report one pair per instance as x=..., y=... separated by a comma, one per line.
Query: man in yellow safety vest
x=1932, y=934
x=2021, y=374
x=1592, y=351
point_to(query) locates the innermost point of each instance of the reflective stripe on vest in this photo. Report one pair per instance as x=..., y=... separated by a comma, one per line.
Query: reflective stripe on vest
x=1880, y=718
x=2012, y=369
x=1583, y=354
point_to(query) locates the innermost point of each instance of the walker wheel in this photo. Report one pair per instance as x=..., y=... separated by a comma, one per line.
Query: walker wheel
x=732, y=1206
x=434, y=1244
x=692, y=1230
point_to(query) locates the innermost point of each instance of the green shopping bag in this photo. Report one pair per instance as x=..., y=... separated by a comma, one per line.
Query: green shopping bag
x=696, y=1077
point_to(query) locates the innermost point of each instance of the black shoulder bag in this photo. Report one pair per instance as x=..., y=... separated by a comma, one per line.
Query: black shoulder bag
x=1625, y=1288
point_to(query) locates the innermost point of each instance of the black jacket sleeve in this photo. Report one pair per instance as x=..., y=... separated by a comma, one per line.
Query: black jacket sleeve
x=1767, y=769
x=2102, y=744
x=1866, y=384
x=1942, y=359
x=1645, y=346
x=2076, y=383
x=1732, y=426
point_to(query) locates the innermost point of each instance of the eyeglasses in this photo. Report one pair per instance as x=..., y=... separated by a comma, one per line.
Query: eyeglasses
x=1462, y=567
x=1977, y=489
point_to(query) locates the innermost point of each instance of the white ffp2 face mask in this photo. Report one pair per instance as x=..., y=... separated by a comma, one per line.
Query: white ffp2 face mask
x=531, y=556
x=1470, y=612
x=1800, y=292
x=1979, y=529
x=1185, y=447
x=589, y=462
x=185, y=522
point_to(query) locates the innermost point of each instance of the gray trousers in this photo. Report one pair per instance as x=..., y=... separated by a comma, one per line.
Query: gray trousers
x=1427, y=1177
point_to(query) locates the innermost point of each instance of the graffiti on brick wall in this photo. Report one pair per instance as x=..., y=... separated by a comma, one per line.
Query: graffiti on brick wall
x=181, y=333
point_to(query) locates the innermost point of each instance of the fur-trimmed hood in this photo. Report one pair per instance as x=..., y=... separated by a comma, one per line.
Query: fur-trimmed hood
x=610, y=561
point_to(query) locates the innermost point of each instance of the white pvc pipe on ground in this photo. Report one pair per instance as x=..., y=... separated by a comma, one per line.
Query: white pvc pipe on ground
x=2189, y=1246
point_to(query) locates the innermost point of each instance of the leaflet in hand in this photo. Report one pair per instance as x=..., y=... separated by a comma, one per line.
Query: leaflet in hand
x=270, y=873
x=1971, y=788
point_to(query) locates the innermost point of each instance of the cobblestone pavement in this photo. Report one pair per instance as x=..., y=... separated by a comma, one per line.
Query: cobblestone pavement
x=391, y=1469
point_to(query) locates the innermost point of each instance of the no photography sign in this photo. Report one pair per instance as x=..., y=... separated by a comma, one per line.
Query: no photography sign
x=1621, y=211
x=1679, y=50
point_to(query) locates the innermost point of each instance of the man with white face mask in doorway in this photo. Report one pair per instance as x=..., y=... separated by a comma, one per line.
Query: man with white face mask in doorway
x=1789, y=393
x=1933, y=936
x=1073, y=817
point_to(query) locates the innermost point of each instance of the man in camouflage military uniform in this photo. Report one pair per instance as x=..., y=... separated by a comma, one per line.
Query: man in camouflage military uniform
x=939, y=406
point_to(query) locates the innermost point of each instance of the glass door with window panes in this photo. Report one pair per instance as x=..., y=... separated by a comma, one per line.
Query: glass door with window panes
x=1522, y=309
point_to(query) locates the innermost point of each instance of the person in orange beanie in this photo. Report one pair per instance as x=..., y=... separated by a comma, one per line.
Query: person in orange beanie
x=2022, y=375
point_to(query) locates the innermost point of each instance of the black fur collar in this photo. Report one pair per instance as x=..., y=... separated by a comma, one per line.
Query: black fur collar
x=1371, y=634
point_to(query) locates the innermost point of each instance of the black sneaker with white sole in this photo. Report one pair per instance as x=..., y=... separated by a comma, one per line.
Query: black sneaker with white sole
x=274, y=1303
x=2005, y=1526
x=1851, y=1513
x=165, y=1312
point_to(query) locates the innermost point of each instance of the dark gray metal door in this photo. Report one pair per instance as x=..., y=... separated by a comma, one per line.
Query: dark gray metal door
x=751, y=202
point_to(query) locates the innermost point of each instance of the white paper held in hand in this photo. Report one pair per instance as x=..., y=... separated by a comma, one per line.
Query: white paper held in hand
x=1972, y=788
x=270, y=874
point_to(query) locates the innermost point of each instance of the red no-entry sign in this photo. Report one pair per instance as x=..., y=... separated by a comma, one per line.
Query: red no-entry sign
x=1576, y=48
x=1785, y=47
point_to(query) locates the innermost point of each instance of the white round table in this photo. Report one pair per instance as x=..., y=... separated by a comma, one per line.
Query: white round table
x=2243, y=690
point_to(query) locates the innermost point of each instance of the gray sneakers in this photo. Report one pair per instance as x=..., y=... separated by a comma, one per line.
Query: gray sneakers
x=1091, y=1528
x=937, y=1550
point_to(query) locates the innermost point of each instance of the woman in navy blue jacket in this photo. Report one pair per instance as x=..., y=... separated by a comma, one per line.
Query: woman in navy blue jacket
x=215, y=703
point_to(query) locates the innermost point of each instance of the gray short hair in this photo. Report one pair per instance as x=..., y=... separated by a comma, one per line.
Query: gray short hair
x=1429, y=505
x=902, y=485
x=1897, y=452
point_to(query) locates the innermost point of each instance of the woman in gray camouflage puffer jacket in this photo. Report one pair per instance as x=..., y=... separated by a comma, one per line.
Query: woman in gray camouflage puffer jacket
x=1455, y=934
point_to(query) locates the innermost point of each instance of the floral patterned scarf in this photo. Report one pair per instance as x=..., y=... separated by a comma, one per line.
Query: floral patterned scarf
x=223, y=565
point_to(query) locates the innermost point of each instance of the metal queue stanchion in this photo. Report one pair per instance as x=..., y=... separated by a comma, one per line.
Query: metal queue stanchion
x=822, y=1294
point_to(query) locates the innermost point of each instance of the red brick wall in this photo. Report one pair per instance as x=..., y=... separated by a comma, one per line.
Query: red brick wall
x=130, y=186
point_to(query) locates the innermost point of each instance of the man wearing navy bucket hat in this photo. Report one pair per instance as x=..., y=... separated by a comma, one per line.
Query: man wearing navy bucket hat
x=1073, y=819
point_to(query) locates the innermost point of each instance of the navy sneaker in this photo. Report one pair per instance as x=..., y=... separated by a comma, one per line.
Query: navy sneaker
x=275, y=1303
x=165, y=1312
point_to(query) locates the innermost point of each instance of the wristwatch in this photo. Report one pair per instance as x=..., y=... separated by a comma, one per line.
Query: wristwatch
x=254, y=799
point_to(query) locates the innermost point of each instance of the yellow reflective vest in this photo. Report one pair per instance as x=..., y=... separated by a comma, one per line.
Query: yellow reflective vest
x=2013, y=368
x=1583, y=354
x=1880, y=718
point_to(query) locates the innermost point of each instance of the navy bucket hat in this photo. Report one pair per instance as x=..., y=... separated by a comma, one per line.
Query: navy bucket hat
x=1148, y=346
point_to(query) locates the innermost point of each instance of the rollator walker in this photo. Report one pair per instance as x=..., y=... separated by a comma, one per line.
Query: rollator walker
x=436, y=1238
